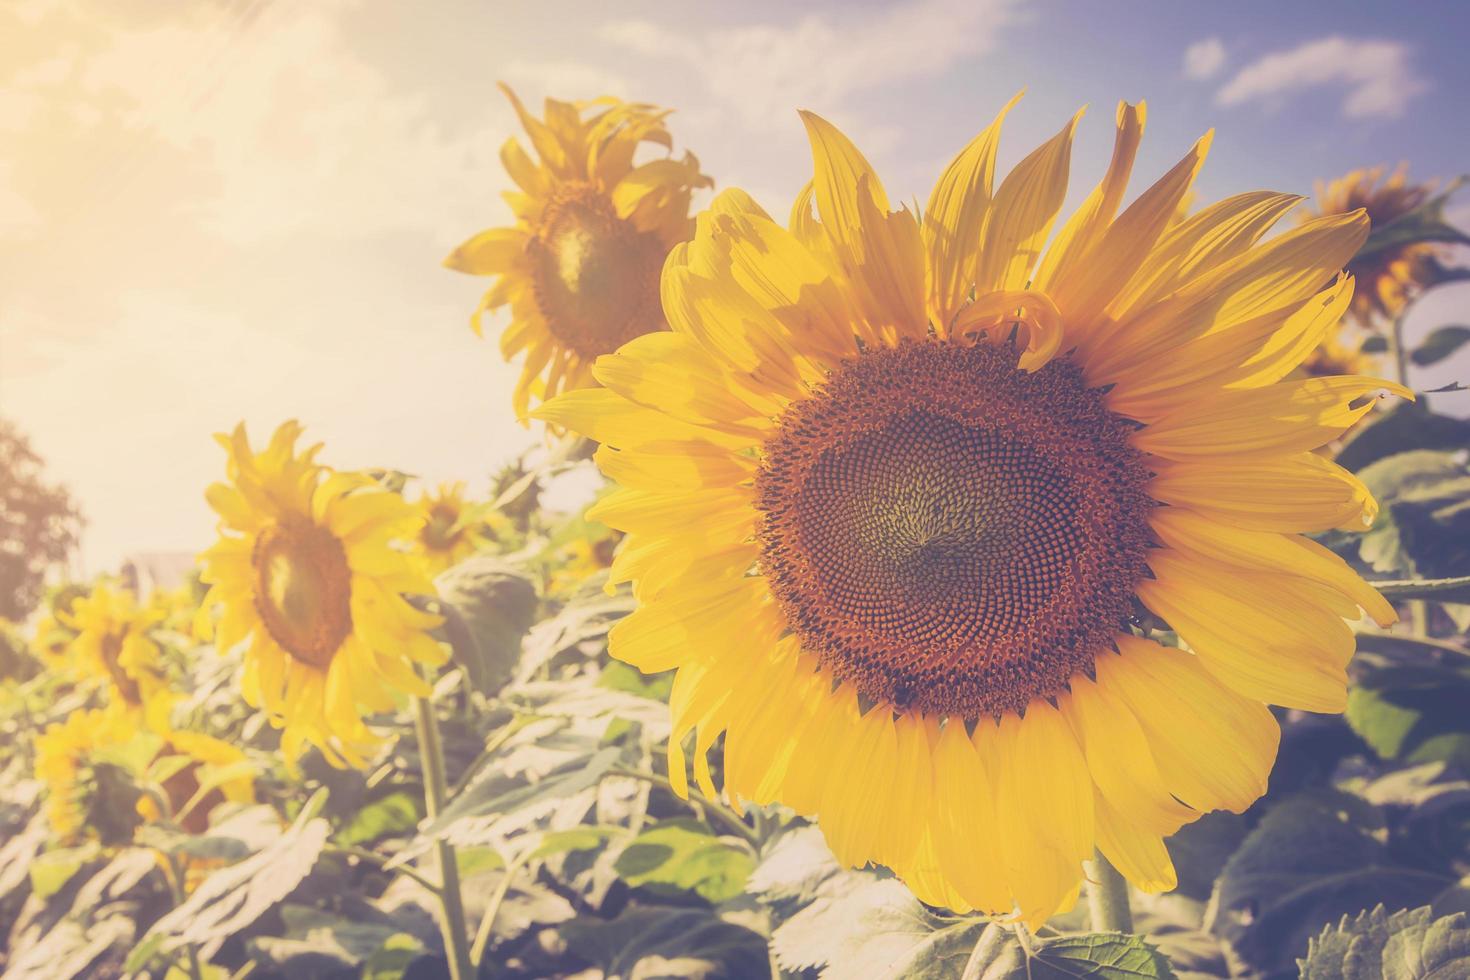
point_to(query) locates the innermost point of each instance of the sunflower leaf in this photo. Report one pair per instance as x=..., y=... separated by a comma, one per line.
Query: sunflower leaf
x=1312, y=859
x=1413, y=713
x=1424, y=527
x=1439, y=589
x=876, y=928
x=1374, y=945
x=649, y=941
x=488, y=606
x=1409, y=425
x=235, y=897
x=682, y=854
x=1441, y=343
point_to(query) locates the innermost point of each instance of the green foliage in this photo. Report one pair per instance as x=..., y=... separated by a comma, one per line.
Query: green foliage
x=1311, y=859
x=1440, y=344
x=1414, y=713
x=684, y=854
x=488, y=606
x=1407, y=945
x=652, y=943
x=1424, y=526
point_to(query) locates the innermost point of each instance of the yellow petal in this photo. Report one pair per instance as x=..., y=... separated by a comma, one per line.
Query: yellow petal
x=1021, y=217
x=1213, y=747
x=1288, y=417
x=1264, y=550
x=1078, y=238
x=1298, y=493
x=954, y=219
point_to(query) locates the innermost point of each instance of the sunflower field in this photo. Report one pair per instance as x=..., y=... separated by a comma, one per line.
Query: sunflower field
x=997, y=585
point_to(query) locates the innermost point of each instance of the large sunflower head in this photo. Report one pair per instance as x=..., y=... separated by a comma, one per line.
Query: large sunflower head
x=307, y=569
x=580, y=268
x=113, y=643
x=903, y=498
x=450, y=528
x=1389, y=279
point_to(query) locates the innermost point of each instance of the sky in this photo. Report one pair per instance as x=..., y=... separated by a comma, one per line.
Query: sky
x=236, y=210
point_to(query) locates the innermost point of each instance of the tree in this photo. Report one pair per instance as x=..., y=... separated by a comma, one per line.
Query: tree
x=39, y=524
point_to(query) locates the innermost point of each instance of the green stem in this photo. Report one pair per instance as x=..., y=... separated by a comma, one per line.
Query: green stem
x=1107, y=897
x=487, y=922
x=176, y=890
x=1400, y=353
x=431, y=757
x=379, y=861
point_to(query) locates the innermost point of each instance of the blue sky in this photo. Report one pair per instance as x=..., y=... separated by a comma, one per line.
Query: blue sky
x=237, y=210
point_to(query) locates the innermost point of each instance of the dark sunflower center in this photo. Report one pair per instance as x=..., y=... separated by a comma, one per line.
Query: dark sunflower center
x=595, y=275
x=303, y=591
x=950, y=533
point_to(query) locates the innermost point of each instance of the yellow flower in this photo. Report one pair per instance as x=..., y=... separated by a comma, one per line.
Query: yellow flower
x=450, y=529
x=113, y=643
x=1390, y=279
x=79, y=792
x=580, y=269
x=305, y=568
x=895, y=491
x=95, y=763
x=51, y=641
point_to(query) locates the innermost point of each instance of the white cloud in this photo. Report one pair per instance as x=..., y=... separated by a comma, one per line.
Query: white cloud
x=1377, y=76
x=1203, y=59
x=763, y=70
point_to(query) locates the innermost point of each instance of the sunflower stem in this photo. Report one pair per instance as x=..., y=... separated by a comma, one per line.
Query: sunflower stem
x=1400, y=351
x=436, y=791
x=1107, y=897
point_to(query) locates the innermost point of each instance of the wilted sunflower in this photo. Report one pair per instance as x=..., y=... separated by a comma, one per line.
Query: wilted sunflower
x=1390, y=279
x=305, y=569
x=898, y=494
x=450, y=529
x=580, y=269
x=206, y=773
x=113, y=643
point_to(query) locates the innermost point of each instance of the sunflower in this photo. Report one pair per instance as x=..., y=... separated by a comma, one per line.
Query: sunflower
x=83, y=788
x=450, y=529
x=113, y=642
x=305, y=568
x=1340, y=352
x=1395, y=276
x=580, y=269
x=899, y=493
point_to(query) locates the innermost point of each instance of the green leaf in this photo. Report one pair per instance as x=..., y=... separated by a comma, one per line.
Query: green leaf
x=318, y=943
x=1409, y=425
x=1312, y=859
x=1097, y=956
x=71, y=949
x=582, y=621
x=1440, y=344
x=396, y=813
x=490, y=605
x=683, y=854
x=618, y=676
x=875, y=928
x=1414, y=713
x=52, y=870
x=1407, y=945
x=1424, y=526
x=234, y=897
x=494, y=801
x=652, y=943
